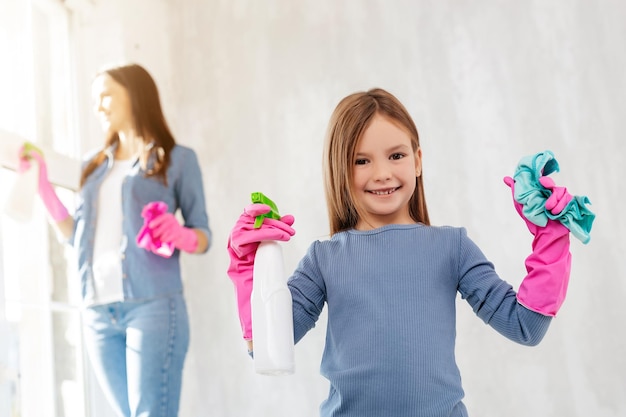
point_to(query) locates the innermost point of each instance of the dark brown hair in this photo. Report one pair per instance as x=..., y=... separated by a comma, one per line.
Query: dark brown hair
x=347, y=124
x=148, y=118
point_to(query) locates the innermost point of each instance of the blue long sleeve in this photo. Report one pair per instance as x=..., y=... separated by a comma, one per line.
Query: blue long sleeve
x=390, y=295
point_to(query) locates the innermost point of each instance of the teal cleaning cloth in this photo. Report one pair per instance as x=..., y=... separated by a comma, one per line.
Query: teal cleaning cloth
x=529, y=192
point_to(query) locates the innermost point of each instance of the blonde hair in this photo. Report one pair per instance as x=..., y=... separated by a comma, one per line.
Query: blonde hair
x=347, y=124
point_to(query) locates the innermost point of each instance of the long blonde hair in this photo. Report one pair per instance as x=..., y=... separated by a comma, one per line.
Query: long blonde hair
x=347, y=124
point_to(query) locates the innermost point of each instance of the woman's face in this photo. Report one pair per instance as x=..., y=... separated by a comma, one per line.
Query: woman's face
x=112, y=105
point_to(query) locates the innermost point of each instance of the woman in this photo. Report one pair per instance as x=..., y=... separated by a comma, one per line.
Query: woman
x=128, y=242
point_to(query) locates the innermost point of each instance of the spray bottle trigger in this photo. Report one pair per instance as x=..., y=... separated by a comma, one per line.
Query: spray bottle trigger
x=259, y=197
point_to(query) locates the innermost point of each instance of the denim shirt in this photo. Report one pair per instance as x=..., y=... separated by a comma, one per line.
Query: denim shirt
x=145, y=274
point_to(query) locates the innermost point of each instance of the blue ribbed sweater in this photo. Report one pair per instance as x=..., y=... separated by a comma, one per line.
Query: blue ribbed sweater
x=390, y=294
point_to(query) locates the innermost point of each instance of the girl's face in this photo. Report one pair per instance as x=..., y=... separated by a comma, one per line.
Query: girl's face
x=112, y=104
x=384, y=177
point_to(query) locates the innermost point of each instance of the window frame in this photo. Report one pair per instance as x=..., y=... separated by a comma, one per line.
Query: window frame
x=40, y=329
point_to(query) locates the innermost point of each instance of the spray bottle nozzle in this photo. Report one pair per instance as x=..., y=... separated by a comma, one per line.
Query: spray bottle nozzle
x=259, y=197
x=30, y=147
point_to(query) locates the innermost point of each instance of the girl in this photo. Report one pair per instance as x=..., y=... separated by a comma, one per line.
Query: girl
x=136, y=324
x=389, y=279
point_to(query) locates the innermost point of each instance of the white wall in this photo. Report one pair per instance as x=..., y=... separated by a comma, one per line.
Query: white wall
x=251, y=85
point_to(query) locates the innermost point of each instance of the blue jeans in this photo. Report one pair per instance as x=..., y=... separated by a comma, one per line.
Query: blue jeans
x=137, y=350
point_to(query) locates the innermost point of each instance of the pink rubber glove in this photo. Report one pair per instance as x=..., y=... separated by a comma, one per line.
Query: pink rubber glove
x=165, y=227
x=559, y=198
x=243, y=242
x=544, y=288
x=46, y=192
x=145, y=238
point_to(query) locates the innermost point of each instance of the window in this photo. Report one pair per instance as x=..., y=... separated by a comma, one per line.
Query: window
x=41, y=362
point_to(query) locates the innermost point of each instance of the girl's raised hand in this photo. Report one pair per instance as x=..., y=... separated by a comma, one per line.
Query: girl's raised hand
x=243, y=242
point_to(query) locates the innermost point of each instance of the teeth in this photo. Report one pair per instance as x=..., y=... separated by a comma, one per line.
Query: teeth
x=383, y=192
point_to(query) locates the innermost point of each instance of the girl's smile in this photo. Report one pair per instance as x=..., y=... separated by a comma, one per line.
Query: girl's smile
x=384, y=192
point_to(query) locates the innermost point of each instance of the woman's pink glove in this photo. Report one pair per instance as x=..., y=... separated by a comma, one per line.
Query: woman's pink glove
x=145, y=238
x=165, y=227
x=48, y=196
x=544, y=288
x=243, y=242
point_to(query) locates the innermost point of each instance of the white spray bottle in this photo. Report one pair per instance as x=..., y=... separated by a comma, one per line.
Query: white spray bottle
x=272, y=313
